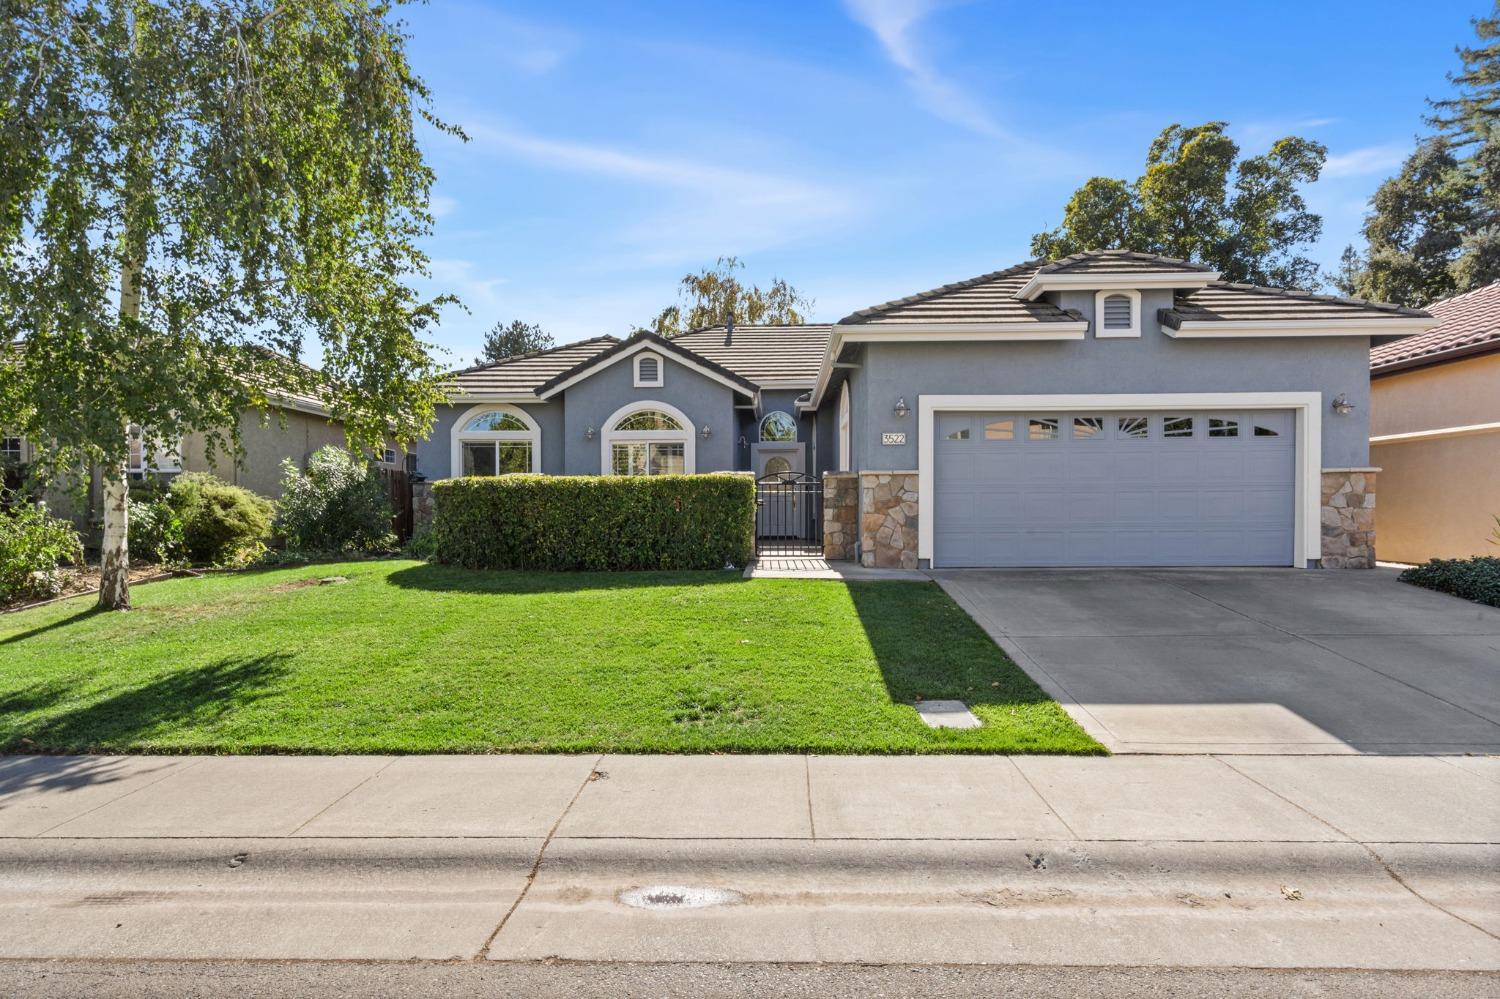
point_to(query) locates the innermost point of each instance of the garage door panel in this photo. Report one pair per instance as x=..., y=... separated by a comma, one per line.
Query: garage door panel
x=1108, y=498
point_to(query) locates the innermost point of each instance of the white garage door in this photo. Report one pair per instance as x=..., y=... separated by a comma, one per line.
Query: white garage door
x=1078, y=489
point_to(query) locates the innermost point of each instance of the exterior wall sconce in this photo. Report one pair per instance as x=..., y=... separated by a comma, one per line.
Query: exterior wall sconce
x=743, y=442
x=901, y=407
x=1342, y=405
x=705, y=433
x=588, y=434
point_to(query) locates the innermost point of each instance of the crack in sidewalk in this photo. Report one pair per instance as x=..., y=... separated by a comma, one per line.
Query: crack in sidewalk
x=536, y=865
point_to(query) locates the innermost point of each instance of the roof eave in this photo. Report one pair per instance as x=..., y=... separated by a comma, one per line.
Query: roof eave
x=1042, y=282
x=1435, y=358
x=1378, y=328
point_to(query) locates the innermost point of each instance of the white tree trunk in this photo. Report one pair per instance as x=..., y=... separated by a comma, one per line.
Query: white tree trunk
x=114, y=552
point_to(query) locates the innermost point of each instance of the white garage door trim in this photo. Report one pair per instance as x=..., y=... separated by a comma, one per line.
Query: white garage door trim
x=1308, y=407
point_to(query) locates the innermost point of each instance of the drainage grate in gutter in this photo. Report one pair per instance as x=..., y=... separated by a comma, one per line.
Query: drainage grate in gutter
x=664, y=897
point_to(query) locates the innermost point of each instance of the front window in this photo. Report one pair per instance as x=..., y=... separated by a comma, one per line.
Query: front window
x=496, y=457
x=648, y=458
x=495, y=440
x=10, y=451
x=653, y=439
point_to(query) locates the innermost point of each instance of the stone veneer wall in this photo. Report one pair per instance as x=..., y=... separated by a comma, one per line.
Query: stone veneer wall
x=840, y=515
x=1348, y=517
x=888, y=519
x=421, y=506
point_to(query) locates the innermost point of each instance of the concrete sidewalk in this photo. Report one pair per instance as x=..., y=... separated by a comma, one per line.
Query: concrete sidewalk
x=1208, y=861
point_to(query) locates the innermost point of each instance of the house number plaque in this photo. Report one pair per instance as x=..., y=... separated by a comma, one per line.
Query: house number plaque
x=888, y=439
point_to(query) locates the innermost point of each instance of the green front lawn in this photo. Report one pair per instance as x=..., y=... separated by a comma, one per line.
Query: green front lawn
x=414, y=658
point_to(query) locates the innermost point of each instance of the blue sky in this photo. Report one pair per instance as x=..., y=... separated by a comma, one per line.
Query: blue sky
x=866, y=149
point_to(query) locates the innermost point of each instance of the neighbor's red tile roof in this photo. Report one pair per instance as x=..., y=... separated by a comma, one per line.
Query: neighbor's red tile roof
x=1470, y=324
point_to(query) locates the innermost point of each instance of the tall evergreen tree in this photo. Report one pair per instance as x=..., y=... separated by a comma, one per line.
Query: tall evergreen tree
x=509, y=339
x=1434, y=228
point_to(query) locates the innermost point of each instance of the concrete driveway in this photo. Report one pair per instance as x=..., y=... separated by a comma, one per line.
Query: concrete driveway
x=1249, y=660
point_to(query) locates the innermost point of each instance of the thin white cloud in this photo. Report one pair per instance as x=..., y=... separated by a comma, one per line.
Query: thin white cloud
x=706, y=209
x=462, y=278
x=894, y=24
x=440, y=205
x=1257, y=136
x=1370, y=159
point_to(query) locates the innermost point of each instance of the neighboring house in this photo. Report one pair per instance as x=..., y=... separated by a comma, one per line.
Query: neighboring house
x=1435, y=432
x=1111, y=408
x=297, y=425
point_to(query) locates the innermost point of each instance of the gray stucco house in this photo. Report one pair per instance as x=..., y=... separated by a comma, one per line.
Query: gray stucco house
x=1110, y=408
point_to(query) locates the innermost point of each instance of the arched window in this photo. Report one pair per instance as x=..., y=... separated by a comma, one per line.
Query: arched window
x=496, y=440
x=778, y=427
x=648, y=438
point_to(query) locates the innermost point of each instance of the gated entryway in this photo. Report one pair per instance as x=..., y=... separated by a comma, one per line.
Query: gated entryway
x=789, y=514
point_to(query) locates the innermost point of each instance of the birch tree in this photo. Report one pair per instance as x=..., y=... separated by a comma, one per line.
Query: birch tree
x=192, y=192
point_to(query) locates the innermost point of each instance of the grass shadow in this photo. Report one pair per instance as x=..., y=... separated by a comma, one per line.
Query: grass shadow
x=61, y=622
x=452, y=579
x=947, y=657
x=190, y=697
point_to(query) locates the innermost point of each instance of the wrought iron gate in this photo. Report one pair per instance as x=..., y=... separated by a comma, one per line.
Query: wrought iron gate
x=789, y=514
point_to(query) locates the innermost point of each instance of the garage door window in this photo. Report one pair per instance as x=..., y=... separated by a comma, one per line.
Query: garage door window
x=1261, y=431
x=1088, y=428
x=1000, y=430
x=1042, y=428
x=1223, y=428
x=1135, y=428
x=1177, y=426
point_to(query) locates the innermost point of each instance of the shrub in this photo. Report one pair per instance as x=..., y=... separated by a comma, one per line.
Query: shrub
x=33, y=547
x=1476, y=579
x=595, y=522
x=337, y=505
x=156, y=532
x=221, y=523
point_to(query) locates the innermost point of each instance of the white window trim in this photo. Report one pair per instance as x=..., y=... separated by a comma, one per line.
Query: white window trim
x=156, y=456
x=1134, y=330
x=661, y=369
x=457, y=436
x=611, y=436
x=845, y=437
x=1307, y=544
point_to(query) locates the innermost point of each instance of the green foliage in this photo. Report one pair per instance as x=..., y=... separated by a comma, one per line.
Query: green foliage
x=595, y=522
x=1249, y=221
x=1434, y=229
x=221, y=524
x=1476, y=579
x=33, y=547
x=507, y=340
x=714, y=295
x=156, y=532
x=190, y=191
x=337, y=505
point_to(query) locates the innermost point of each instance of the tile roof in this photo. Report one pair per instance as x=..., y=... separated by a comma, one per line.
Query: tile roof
x=661, y=343
x=1230, y=301
x=1119, y=262
x=988, y=298
x=763, y=353
x=525, y=373
x=1470, y=324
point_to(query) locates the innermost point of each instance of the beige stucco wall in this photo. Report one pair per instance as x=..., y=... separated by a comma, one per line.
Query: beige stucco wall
x=294, y=435
x=1439, y=495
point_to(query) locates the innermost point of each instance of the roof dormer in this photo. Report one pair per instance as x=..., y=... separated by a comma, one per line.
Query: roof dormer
x=1093, y=270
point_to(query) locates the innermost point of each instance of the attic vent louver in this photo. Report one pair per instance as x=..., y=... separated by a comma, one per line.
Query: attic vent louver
x=1117, y=312
x=649, y=369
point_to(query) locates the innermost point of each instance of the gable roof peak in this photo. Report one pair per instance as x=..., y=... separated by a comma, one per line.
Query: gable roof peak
x=1106, y=260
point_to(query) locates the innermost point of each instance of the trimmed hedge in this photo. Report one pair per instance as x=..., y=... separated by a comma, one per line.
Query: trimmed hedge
x=1476, y=579
x=594, y=522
